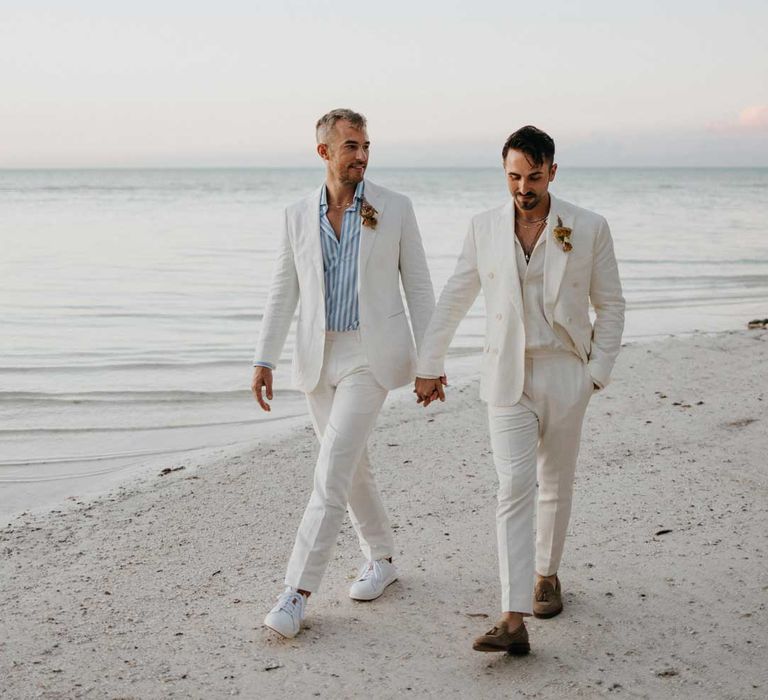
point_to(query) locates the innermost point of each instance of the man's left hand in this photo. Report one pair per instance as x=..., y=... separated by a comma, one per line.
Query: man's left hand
x=429, y=390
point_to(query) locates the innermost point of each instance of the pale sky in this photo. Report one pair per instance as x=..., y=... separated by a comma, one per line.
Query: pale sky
x=88, y=83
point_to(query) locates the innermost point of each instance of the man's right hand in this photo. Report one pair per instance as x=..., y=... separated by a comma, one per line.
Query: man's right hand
x=429, y=390
x=262, y=379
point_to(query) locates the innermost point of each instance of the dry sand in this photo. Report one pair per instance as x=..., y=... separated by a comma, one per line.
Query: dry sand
x=158, y=589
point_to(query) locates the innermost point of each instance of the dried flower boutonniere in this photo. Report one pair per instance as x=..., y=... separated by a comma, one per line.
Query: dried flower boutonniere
x=563, y=235
x=369, y=214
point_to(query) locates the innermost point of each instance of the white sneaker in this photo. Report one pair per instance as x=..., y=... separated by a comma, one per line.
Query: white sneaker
x=374, y=577
x=287, y=615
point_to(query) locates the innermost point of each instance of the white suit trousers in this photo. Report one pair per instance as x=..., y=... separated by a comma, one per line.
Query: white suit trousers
x=344, y=407
x=537, y=438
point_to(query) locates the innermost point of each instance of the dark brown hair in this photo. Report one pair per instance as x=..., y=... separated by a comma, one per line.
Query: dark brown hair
x=537, y=146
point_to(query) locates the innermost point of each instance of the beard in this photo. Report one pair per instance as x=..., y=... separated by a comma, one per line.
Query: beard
x=527, y=203
x=352, y=175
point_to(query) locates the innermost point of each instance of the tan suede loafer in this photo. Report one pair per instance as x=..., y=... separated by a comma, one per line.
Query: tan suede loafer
x=547, y=599
x=501, y=639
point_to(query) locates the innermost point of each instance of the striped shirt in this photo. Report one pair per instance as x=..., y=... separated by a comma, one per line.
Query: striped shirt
x=340, y=256
x=340, y=264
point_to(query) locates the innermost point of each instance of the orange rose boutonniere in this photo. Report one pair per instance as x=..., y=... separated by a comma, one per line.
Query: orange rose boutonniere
x=369, y=214
x=563, y=235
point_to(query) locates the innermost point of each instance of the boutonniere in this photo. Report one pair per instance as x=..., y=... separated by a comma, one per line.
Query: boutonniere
x=369, y=214
x=563, y=235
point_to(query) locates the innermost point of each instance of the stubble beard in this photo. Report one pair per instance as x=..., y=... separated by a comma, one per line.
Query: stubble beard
x=352, y=177
x=527, y=204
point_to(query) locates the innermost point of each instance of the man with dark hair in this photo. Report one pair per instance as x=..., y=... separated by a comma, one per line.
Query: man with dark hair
x=344, y=250
x=538, y=147
x=539, y=261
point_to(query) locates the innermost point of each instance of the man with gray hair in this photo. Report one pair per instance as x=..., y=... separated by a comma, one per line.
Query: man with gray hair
x=343, y=252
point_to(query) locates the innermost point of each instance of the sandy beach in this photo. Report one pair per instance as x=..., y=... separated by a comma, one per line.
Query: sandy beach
x=158, y=589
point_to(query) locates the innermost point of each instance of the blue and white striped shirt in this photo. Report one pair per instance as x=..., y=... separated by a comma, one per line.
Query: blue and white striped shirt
x=342, y=311
x=340, y=264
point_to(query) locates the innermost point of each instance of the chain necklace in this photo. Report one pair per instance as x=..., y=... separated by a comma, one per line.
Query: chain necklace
x=528, y=250
x=533, y=222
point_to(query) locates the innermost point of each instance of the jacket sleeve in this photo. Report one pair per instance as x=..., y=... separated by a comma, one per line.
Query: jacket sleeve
x=608, y=302
x=415, y=277
x=281, y=304
x=457, y=297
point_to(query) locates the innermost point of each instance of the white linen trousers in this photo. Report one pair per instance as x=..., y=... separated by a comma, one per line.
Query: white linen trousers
x=537, y=439
x=344, y=407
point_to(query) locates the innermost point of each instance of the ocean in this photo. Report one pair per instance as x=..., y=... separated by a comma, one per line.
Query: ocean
x=131, y=299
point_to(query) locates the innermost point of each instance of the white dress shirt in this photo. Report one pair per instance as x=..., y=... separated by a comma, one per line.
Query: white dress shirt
x=540, y=337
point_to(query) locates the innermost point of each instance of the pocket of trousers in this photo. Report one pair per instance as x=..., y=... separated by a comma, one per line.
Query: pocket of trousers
x=590, y=382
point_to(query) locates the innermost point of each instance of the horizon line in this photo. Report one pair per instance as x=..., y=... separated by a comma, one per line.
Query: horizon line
x=381, y=167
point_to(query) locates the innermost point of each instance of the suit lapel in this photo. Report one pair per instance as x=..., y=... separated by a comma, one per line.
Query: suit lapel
x=555, y=259
x=310, y=228
x=368, y=236
x=504, y=246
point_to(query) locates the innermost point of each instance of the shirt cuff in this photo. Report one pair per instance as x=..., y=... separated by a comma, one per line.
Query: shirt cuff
x=260, y=363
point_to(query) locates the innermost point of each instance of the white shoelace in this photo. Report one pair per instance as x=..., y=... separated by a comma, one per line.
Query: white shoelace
x=292, y=602
x=371, y=571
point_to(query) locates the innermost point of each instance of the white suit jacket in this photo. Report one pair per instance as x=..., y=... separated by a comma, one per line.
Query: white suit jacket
x=571, y=280
x=388, y=254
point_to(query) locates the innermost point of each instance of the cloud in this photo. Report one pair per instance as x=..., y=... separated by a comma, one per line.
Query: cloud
x=755, y=117
x=749, y=120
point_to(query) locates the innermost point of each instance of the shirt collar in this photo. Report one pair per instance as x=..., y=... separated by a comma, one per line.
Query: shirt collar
x=358, y=197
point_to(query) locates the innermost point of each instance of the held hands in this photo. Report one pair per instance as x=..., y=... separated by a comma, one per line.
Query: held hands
x=429, y=390
x=262, y=379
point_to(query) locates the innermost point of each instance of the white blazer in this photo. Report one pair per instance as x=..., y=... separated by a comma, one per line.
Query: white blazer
x=388, y=254
x=571, y=280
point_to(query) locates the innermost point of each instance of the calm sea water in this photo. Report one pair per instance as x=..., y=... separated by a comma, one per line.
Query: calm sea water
x=130, y=300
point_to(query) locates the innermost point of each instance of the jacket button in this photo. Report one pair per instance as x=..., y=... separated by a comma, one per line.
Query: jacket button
x=569, y=319
x=498, y=317
x=490, y=275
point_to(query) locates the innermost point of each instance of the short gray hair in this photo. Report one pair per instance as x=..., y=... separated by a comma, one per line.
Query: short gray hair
x=326, y=123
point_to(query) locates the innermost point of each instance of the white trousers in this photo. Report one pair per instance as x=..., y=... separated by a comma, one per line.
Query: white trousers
x=537, y=439
x=344, y=407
